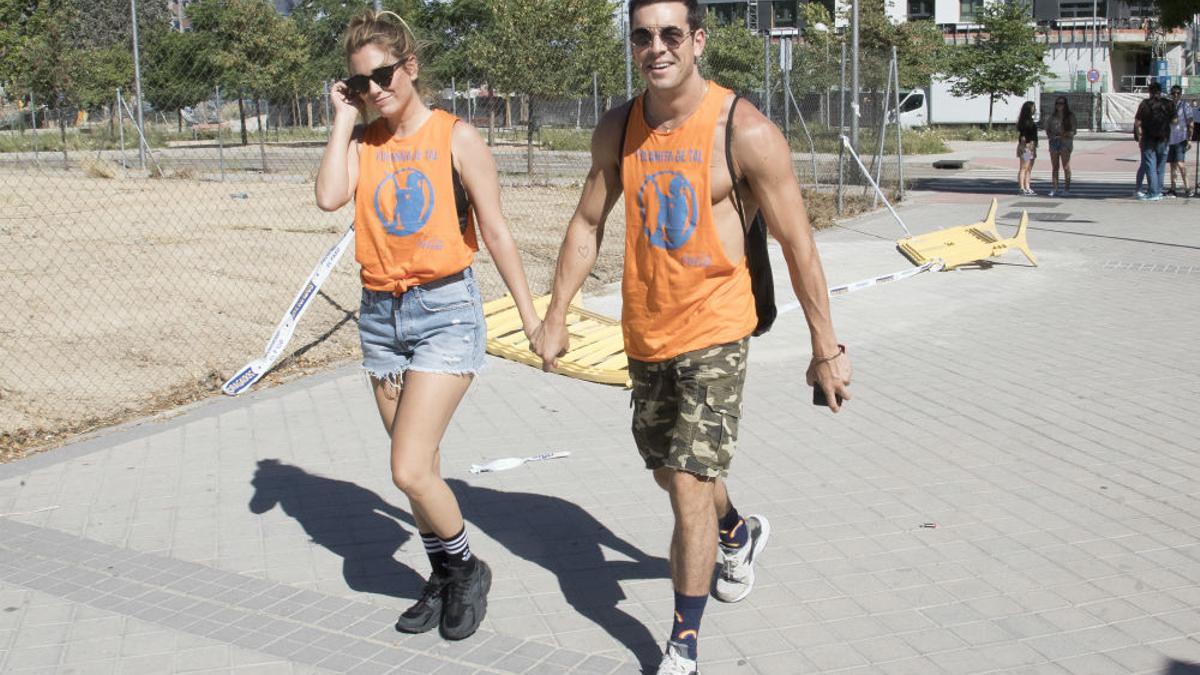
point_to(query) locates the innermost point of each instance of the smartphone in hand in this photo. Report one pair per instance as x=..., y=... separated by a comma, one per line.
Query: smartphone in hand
x=819, y=397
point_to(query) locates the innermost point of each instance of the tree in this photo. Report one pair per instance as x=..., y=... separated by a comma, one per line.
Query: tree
x=173, y=82
x=1176, y=13
x=1005, y=61
x=541, y=48
x=733, y=57
x=247, y=47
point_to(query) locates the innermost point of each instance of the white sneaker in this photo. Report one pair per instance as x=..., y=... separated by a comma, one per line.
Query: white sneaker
x=1050, y=194
x=736, y=578
x=675, y=661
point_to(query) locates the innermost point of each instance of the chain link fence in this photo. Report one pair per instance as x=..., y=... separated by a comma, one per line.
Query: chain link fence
x=152, y=244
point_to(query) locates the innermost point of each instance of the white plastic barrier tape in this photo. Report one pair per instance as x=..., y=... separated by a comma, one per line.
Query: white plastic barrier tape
x=513, y=462
x=251, y=372
x=932, y=265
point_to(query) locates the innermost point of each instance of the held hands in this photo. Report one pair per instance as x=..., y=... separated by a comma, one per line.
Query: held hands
x=549, y=341
x=831, y=374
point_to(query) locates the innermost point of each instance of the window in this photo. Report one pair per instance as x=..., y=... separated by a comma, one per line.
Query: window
x=785, y=13
x=968, y=10
x=1080, y=9
x=913, y=102
x=920, y=9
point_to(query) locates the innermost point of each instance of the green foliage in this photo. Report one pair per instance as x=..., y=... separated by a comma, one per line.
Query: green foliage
x=173, y=82
x=543, y=48
x=322, y=25
x=1006, y=60
x=445, y=28
x=246, y=46
x=1176, y=13
x=733, y=58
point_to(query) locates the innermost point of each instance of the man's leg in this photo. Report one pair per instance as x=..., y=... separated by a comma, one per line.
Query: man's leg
x=1160, y=153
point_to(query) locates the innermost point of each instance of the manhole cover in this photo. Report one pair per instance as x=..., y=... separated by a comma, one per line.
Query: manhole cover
x=1036, y=205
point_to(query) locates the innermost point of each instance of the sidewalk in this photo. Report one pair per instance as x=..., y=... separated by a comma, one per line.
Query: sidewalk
x=1041, y=421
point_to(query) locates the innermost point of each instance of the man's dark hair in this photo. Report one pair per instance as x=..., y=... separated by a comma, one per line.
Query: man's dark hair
x=1155, y=88
x=1176, y=89
x=695, y=12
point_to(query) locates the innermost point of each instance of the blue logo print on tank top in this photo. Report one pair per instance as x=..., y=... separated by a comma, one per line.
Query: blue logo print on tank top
x=672, y=200
x=404, y=201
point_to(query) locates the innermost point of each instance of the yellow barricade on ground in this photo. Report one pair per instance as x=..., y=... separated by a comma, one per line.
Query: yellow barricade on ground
x=597, y=350
x=964, y=244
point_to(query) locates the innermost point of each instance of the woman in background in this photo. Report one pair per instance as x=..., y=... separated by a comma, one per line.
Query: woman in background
x=1060, y=134
x=1026, y=148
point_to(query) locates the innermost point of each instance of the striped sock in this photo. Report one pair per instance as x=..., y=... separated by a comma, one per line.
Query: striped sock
x=433, y=549
x=732, y=529
x=686, y=629
x=458, y=550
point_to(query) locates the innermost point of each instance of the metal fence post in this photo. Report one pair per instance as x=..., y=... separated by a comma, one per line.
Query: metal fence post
x=137, y=83
x=899, y=128
x=595, y=99
x=767, y=74
x=841, y=130
x=628, y=55
x=220, y=137
x=121, y=129
x=854, y=80
x=33, y=118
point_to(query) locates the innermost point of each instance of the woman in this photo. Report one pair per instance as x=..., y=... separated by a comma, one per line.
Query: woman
x=1060, y=132
x=1026, y=148
x=419, y=180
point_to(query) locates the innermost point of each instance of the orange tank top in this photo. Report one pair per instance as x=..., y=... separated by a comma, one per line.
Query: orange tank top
x=679, y=290
x=406, y=214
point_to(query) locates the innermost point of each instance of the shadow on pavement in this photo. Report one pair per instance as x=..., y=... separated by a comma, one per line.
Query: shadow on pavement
x=1182, y=668
x=349, y=520
x=1080, y=189
x=566, y=541
x=559, y=536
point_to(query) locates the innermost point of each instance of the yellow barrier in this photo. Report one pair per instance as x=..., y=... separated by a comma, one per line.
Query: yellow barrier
x=597, y=348
x=956, y=246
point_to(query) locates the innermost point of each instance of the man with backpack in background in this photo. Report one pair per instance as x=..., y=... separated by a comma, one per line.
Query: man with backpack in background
x=1152, y=131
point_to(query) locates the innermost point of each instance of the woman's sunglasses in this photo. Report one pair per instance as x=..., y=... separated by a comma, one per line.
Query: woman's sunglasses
x=358, y=85
x=671, y=37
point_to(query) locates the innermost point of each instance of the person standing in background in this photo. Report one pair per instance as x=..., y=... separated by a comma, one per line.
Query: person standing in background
x=1177, y=144
x=1152, y=130
x=1060, y=136
x=1026, y=148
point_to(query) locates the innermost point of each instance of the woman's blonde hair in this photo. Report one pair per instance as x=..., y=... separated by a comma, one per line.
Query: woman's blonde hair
x=385, y=30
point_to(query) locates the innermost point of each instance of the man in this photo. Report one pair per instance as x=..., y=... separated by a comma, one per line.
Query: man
x=1177, y=144
x=1152, y=131
x=688, y=309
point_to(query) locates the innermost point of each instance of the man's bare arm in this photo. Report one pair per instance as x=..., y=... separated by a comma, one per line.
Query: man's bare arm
x=585, y=231
x=762, y=156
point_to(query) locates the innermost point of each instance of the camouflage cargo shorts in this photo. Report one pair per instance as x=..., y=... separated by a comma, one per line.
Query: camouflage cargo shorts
x=686, y=409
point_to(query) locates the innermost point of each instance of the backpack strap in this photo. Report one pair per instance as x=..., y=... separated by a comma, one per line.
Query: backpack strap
x=624, y=132
x=737, y=193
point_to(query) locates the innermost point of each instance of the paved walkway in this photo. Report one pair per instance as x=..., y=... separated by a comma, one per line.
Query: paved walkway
x=1013, y=489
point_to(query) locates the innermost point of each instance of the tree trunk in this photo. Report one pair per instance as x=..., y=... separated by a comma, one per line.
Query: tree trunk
x=62, y=132
x=529, y=141
x=991, y=105
x=179, y=113
x=242, y=115
x=308, y=105
x=262, y=147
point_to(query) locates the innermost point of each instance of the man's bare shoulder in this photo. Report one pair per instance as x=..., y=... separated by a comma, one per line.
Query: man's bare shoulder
x=754, y=136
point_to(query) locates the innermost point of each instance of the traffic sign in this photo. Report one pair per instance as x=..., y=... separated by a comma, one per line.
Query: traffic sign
x=1093, y=75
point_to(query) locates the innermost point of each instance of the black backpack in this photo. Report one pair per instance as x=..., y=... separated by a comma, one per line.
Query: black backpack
x=762, y=283
x=1157, y=125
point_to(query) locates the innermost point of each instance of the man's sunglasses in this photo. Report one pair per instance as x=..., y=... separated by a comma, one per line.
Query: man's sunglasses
x=671, y=37
x=358, y=85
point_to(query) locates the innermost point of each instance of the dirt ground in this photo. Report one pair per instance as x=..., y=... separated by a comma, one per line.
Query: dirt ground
x=121, y=295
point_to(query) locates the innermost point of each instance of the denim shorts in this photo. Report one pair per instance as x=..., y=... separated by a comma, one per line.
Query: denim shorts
x=437, y=327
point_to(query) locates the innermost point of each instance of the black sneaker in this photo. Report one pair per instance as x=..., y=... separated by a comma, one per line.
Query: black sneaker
x=427, y=611
x=466, y=600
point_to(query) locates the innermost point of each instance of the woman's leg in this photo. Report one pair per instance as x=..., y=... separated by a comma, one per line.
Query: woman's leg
x=421, y=417
x=1065, y=158
x=1055, y=157
x=387, y=399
